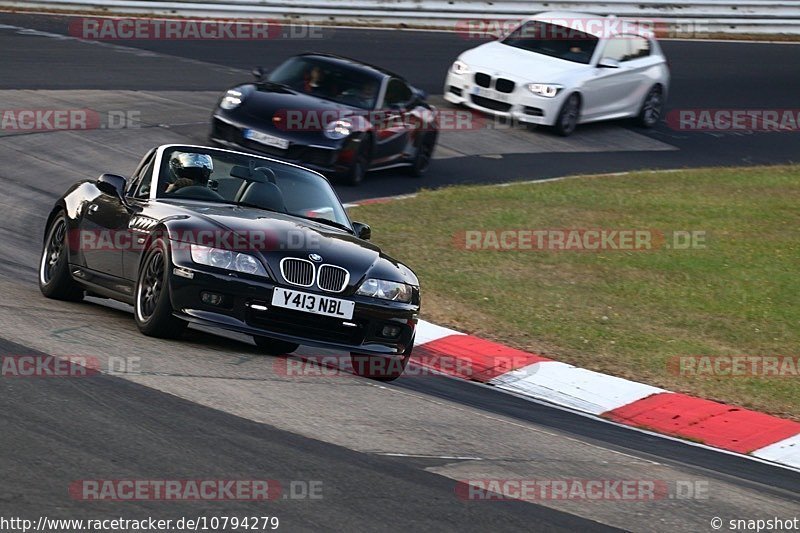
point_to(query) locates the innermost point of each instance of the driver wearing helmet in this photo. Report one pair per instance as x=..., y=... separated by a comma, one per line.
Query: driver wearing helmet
x=189, y=170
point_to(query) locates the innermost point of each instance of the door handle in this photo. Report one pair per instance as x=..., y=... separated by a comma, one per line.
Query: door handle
x=93, y=208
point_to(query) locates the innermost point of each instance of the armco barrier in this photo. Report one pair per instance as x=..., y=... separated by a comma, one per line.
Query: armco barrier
x=711, y=16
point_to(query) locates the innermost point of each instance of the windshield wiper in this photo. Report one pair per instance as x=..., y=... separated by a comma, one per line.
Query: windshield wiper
x=327, y=222
x=275, y=84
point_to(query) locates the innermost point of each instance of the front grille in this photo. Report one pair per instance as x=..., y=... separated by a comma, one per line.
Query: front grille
x=504, y=86
x=488, y=103
x=308, y=326
x=332, y=278
x=484, y=80
x=317, y=156
x=226, y=132
x=298, y=271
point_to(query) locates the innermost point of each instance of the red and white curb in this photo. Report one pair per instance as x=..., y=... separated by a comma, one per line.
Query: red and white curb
x=713, y=424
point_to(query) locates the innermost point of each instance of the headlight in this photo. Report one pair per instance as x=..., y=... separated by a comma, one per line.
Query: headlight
x=386, y=290
x=232, y=99
x=216, y=257
x=338, y=129
x=459, y=67
x=548, y=90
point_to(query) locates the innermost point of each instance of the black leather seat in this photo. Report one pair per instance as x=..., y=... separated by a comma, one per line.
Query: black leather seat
x=266, y=195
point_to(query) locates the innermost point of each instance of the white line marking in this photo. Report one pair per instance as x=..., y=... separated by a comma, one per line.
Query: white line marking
x=452, y=457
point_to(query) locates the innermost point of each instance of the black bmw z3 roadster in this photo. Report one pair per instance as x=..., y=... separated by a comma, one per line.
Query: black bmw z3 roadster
x=234, y=241
x=335, y=115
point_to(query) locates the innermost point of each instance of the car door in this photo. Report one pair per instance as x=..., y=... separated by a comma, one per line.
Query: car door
x=393, y=125
x=104, y=232
x=608, y=91
x=138, y=227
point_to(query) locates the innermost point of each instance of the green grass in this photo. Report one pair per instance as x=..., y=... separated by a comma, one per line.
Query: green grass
x=623, y=313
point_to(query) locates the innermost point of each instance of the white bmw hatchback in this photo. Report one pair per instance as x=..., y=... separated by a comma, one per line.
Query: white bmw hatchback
x=563, y=69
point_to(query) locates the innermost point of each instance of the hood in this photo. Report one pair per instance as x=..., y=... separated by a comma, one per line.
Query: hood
x=264, y=102
x=515, y=63
x=273, y=236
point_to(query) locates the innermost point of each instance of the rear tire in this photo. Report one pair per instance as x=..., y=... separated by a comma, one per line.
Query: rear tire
x=152, y=305
x=274, y=346
x=567, y=120
x=55, y=280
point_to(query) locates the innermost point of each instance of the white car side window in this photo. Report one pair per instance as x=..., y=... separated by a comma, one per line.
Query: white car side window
x=616, y=48
x=639, y=47
x=626, y=48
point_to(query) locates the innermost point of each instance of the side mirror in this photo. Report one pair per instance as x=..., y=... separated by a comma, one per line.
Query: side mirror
x=420, y=95
x=608, y=63
x=258, y=73
x=112, y=185
x=363, y=231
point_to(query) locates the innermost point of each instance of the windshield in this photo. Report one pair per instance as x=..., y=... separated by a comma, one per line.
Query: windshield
x=206, y=174
x=554, y=41
x=329, y=80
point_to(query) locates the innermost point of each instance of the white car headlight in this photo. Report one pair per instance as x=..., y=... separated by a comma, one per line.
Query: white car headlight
x=232, y=99
x=386, y=290
x=548, y=90
x=219, y=258
x=338, y=129
x=459, y=67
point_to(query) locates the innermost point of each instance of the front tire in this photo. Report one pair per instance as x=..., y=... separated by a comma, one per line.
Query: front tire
x=152, y=304
x=652, y=108
x=424, y=155
x=55, y=280
x=361, y=160
x=274, y=346
x=567, y=119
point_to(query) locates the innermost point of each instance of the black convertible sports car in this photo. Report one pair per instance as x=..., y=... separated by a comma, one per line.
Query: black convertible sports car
x=236, y=241
x=334, y=115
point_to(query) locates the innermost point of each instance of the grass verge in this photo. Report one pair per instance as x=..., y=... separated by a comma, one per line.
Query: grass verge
x=626, y=313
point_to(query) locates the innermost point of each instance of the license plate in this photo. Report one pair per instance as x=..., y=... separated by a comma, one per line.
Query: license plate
x=489, y=93
x=313, y=303
x=265, y=138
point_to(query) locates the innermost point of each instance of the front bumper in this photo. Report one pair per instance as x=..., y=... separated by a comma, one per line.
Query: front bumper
x=246, y=308
x=329, y=157
x=520, y=105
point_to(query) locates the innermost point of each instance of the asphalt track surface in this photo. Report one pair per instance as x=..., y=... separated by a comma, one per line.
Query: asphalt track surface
x=388, y=456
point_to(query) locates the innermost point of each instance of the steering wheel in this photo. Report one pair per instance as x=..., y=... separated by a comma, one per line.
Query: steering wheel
x=198, y=192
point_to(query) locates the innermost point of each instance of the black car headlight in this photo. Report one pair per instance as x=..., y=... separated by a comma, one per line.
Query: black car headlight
x=228, y=260
x=386, y=290
x=232, y=99
x=338, y=129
